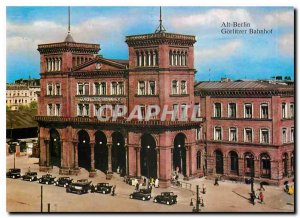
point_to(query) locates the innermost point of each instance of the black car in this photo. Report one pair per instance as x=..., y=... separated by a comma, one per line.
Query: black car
x=142, y=194
x=166, y=198
x=104, y=188
x=80, y=187
x=63, y=181
x=14, y=173
x=47, y=179
x=30, y=176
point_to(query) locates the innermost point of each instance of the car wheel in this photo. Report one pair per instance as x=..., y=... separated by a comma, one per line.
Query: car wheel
x=155, y=200
x=30, y=180
x=168, y=202
x=131, y=196
x=143, y=198
x=47, y=183
x=13, y=177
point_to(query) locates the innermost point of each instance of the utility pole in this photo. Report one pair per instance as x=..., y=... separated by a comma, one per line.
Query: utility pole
x=41, y=198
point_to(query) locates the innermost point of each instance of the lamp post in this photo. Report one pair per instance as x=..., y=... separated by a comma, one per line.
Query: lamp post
x=197, y=199
x=179, y=147
x=148, y=149
x=252, y=194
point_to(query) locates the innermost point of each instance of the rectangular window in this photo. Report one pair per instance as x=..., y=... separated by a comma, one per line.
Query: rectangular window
x=217, y=110
x=80, y=89
x=151, y=90
x=83, y=110
x=232, y=134
x=284, y=135
x=57, y=89
x=292, y=110
x=96, y=88
x=96, y=110
x=50, y=110
x=175, y=111
x=232, y=110
x=184, y=111
x=114, y=88
x=141, y=88
x=292, y=134
x=218, y=134
x=80, y=110
x=198, y=133
x=248, y=110
x=50, y=89
x=86, y=89
x=264, y=136
x=174, y=87
x=103, y=88
x=248, y=135
x=183, y=87
x=264, y=111
x=57, y=109
x=121, y=88
x=143, y=110
x=198, y=110
x=283, y=110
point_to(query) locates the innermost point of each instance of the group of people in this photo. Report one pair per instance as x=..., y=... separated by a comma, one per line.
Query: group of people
x=149, y=183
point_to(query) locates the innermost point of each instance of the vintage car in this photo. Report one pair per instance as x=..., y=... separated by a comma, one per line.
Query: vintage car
x=142, y=194
x=104, y=188
x=166, y=198
x=14, y=173
x=131, y=180
x=30, y=176
x=63, y=181
x=80, y=187
x=47, y=179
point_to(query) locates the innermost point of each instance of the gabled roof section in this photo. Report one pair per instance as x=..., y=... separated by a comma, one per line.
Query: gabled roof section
x=116, y=63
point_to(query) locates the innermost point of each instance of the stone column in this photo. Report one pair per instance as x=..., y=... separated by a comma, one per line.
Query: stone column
x=47, y=152
x=158, y=161
x=241, y=167
x=75, y=144
x=138, y=162
x=17, y=150
x=92, y=172
x=127, y=158
x=109, y=147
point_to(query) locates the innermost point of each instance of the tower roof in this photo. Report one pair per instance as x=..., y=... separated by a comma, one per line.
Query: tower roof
x=69, y=38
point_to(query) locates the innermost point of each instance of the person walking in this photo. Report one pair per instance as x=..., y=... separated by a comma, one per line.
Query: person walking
x=216, y=181
x=137, y=186
x=113, y=193
x=156, y=184
x=262, y=186
x=261, y=197
x=203, y=188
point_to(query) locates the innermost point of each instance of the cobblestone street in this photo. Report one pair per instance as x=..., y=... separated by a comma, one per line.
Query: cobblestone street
x=24, y=196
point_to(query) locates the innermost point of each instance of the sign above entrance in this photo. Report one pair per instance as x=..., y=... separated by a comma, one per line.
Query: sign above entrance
x=101, y=99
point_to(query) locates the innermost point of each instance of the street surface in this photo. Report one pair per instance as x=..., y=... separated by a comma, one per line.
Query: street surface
x=23, y=196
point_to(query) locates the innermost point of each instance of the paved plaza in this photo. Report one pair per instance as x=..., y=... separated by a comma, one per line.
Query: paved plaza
x=229, y=196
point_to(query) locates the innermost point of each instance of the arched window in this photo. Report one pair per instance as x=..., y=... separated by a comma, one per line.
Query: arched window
x=175, y=87
x=138, y=59
x=265, y=166
x=249, y=164
x=234, y=162
x=285, y=164
x=171, y=58
x=198, y=160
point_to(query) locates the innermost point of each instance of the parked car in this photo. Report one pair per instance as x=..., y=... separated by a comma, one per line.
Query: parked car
x=80, y=187
x=63, y=181
x=14, y=173
x=103, y=187
x=30, y=176
x=131, y=180
x=142, y=194
x=166, y=198
x=47, y=179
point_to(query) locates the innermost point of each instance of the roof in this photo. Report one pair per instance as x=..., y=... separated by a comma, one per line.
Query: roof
x=69, y=38
x=20, y=119
x=121, y=61
x=240, y=84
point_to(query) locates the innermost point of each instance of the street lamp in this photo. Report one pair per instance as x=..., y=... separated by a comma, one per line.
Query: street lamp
x=252, y=194
x=148, y=149
x=179, y=146
x=199, y=202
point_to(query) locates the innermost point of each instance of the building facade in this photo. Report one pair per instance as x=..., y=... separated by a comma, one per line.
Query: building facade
x=249, y=129
x=76, y=82
x=22, y=92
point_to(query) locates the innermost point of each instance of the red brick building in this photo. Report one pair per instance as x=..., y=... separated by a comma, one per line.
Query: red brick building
x=246, y=123
x=76, y=82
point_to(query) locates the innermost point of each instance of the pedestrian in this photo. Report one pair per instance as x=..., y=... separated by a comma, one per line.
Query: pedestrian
x=262, y=186
x=252, y=198
x=177, y=169
x=203, y=188
x=137, y=186
x=261, y=197
x=144, y=181
x=286, y=188
x=216, y=181
x=156, y=184
x=150, y=188
x=113, y=190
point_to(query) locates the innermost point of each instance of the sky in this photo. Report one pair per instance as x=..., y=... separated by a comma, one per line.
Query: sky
x=217, y=55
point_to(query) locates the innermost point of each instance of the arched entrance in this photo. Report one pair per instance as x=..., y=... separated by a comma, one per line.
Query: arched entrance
x=219, y=162
x=179, y=153
x=118, y=152
x=55, y=148
x=249, y=164
x=234, y=162
x=265, y=166
x=101, y=152
x=84, y=150
x=285, y=164
x=148, y=156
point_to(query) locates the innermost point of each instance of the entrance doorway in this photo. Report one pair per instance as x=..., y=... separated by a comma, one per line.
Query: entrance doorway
x=118, y=156
x=148, y=156
x=179, y=154
x=84, y=150
x=101, y=152
x=55, y=148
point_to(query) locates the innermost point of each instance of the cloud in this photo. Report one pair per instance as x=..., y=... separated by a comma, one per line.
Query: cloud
x=224, y=50
x=212, y=17
x=286, y=44
x=283, y=18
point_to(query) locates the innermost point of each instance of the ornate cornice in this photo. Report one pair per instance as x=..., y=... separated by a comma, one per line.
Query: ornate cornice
x=97, y=73
x=68, y=47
